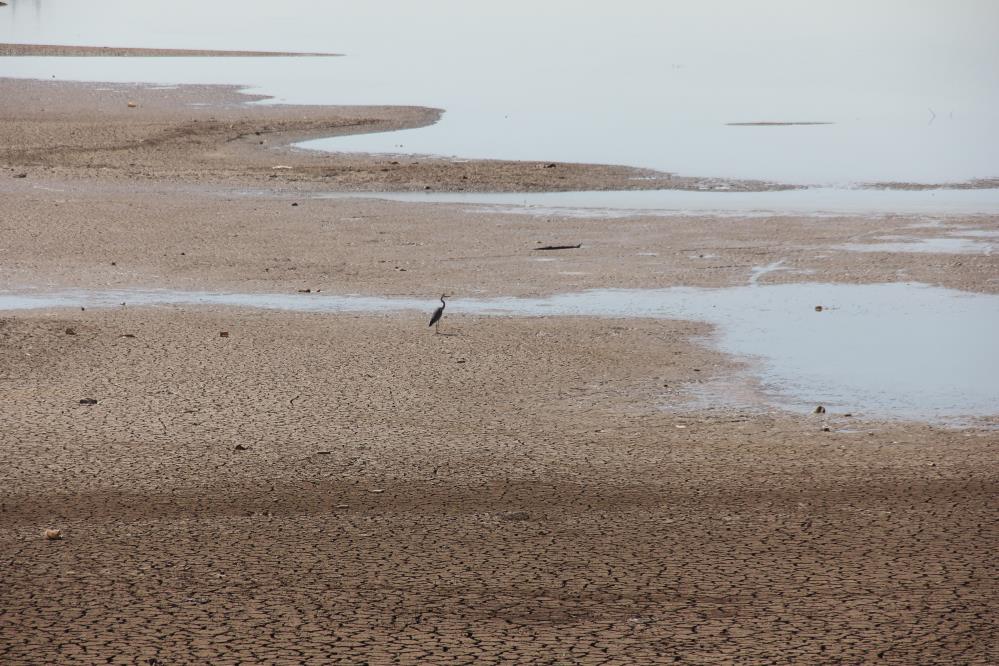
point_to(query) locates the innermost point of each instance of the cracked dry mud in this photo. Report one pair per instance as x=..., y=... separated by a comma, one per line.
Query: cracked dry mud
x=752, y=537
x=321, y=488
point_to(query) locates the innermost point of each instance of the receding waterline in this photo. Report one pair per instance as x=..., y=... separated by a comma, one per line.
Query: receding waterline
x=802, y=201
x=896, y=350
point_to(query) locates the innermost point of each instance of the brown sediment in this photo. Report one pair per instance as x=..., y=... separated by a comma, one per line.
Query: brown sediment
x=777, y=123
x=205, y=134
x=354, y=487
x=65, y=50
x=973, y=184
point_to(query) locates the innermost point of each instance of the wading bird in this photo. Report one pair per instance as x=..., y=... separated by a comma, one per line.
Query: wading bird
x=435, y=320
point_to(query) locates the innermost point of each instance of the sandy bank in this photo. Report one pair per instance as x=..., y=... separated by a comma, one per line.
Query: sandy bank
x=65, y=50
x=213, y=134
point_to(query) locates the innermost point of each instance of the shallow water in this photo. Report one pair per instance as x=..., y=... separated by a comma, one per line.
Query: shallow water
x=904, y=351
x=925, y=245
x=617, y=203
x=911, y=89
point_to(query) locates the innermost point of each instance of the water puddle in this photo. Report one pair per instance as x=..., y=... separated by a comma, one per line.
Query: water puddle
x=927, y=245
x=898, y=351
x=816, y=201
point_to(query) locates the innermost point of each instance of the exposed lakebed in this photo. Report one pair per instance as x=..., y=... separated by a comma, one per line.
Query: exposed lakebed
x=894, y=351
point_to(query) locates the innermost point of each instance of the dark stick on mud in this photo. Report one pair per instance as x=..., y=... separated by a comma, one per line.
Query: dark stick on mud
x=560, y=247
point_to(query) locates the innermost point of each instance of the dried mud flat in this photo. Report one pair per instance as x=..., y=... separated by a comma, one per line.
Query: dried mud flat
x=315, y=488
x=61, y=50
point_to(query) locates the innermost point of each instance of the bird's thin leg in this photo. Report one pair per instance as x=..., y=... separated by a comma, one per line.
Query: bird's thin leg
x=437, y=328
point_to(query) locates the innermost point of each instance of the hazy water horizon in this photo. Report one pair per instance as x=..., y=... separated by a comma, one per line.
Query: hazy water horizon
x=910, y=89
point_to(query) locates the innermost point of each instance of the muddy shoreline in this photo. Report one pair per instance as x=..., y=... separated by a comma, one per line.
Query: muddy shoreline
x=312, y=487
x=64, y=51
x=215, y=134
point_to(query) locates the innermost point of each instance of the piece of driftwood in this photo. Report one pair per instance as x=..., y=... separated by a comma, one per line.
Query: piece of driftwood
x=560, y=247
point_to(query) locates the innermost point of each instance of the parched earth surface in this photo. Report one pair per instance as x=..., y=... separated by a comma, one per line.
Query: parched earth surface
x=313, y=488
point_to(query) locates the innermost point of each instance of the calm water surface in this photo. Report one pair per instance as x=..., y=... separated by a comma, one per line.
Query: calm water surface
x=808, y=201
x=901, y=351
x=910, y=89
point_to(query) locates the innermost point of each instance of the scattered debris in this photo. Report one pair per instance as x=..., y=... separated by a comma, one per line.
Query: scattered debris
x=295, y=203
x=88, y=401
x=305, y=291
x=818, y=308
x=560, y=247
x=53, y=535
x=679, y=425
x=21, y=175
x=342, y=506
x=280, y=166
x=70, y=331
x=377, y=491
x=127, y=335
x=132, y=104
x=324, y=453
x=550, y=165
x=223, y=334
x=848, y=415
x=462, y=360
x=515, y=515
x=819, y=410
x=240, y=447
x=826, y=429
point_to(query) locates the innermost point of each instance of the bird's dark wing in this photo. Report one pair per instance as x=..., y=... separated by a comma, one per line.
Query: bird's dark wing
x=437, y=315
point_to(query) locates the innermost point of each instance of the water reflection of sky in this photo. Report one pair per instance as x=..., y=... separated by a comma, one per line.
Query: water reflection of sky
x=905, y=351
x=911, y=87
x=620, y=203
